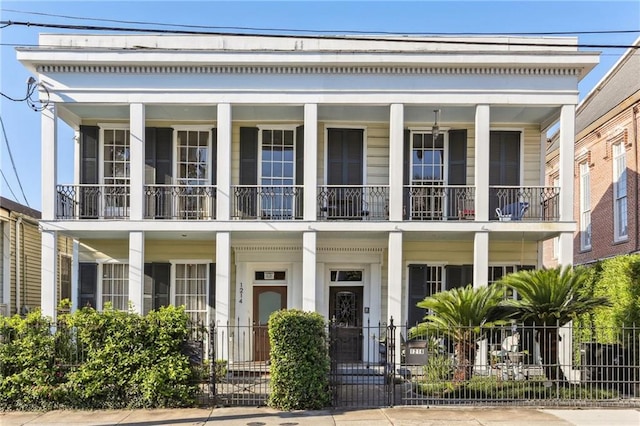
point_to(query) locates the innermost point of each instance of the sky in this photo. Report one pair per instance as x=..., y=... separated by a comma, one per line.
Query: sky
x=22, y=125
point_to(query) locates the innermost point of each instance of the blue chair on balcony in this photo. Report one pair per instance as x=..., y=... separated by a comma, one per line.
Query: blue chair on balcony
x=513, y=211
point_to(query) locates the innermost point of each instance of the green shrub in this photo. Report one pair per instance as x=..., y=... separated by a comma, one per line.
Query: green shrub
x=299, y=361
x=618, y=279
x=109, y=359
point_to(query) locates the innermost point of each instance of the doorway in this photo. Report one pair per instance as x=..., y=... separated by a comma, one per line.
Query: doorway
x=266, y=300
x=345, y=160
x=345, y=306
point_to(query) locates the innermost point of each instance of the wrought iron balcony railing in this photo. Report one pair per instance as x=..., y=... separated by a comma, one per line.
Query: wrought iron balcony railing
x=182, y=202
x=92, y=201
x=529, y=203
x=353, y=202
x=271, y=202
x=439, y=202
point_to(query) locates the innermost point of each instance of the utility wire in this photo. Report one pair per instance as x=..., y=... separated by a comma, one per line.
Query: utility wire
x=316, y=31
x=341, y=37
x=8, y=186
x=13, y=163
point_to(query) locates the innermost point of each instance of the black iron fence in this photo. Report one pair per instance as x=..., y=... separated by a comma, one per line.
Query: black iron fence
x=183, y=202
x=353, y=202
x=271, y=202
x=378, y=365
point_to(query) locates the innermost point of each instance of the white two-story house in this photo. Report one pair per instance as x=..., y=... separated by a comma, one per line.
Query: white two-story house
x=237, y=175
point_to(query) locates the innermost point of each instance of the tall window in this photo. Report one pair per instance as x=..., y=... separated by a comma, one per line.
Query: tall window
x=192, y=170
x=619, y=192
x=191, y=290
x=193, y=157
x=277, y=172
x=585, y=207
x=116, y=171
x=65, y=277
x=427, y=169
x=115, y=285
x=424, y=281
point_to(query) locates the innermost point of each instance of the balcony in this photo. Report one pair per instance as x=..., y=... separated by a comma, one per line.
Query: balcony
x=273, y=202
x=92, y=201
x=180, y=202
x=530, y=203
x=439, y=202
x=353, y=202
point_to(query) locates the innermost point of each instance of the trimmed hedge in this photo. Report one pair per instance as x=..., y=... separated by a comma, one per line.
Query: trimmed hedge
x=299, y=361
x=109, y=359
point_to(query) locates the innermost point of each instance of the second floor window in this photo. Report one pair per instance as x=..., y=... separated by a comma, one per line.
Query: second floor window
x=585, y=207
x=115, y=174
x=619, y=192
x=193, y=157
x=277, y=172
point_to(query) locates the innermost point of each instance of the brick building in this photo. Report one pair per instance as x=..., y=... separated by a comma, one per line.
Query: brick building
x=606, y=166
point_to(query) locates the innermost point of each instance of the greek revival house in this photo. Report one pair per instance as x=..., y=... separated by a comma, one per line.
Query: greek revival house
x=237, y=175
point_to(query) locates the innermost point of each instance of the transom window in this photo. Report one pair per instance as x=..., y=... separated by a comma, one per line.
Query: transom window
x=585, y=207
x=115, y=285
x=346, y=276
x=277, y=172
x=619, y=192
x=191, y=290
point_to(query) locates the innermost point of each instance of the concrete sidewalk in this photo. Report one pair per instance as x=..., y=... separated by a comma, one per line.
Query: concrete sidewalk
x=237, y=416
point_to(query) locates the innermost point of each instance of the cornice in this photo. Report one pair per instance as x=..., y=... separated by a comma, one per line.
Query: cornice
x=260, y=69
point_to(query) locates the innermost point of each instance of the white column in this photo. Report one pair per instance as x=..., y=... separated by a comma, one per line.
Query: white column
x=482, y=135
x=136, y=271
x=481, y=259
x=310, y=161
x=396, y=161
x=49, y=276
x=321, y=304
x=75, y=272
x=223, y=278
x=49, y=161
x=566, y=166
x=394, y=285
x=136, y=161
x=565, y=248
x=309, y=272
x=223, y=178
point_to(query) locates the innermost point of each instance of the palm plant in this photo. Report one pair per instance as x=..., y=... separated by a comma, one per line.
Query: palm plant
x=463, y=315
x=550, y=298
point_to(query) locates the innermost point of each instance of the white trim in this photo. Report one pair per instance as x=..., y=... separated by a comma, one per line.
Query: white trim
x=198, y=127
x=113, y=126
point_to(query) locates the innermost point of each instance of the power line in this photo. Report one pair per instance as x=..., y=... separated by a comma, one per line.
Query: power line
x=316, y=37
x=315, y=31
x=8, y=186
x=13, y=163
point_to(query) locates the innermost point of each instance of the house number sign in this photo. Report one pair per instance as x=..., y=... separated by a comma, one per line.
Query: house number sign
x=241, y=292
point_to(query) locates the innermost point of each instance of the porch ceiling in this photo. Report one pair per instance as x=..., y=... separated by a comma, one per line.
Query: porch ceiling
x=416, y=115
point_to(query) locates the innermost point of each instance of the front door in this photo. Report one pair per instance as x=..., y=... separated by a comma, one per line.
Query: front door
x=345, y=307
x=266, y=300
x=344, y=173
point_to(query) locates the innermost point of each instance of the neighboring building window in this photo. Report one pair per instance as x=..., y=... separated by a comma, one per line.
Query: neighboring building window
x=115, y=285
x=65, y=277
x=192, y=162
x=427, y=169
x=277, y=172
x=191, y=290
x=619, y=192
x=585, y=207
x=116, y=172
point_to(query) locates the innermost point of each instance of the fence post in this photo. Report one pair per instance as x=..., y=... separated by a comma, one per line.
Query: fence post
x=391, y=361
